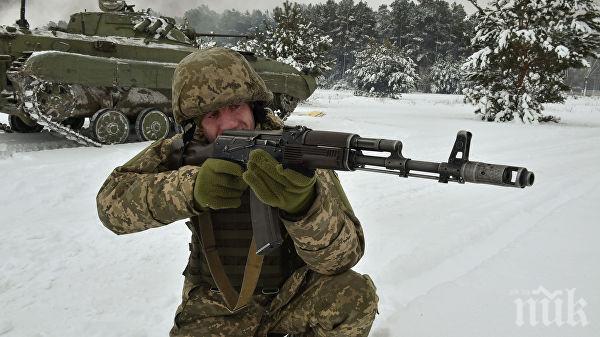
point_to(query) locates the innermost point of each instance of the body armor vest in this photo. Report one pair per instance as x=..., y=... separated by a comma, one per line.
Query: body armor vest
x=233, y=235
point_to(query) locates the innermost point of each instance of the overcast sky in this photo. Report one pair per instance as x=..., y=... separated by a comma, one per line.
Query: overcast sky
x=39, y=12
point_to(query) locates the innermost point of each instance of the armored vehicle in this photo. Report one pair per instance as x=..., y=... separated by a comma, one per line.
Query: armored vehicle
x=112, y=68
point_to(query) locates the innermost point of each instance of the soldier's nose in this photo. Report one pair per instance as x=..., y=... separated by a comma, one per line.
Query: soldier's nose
x=230, y=122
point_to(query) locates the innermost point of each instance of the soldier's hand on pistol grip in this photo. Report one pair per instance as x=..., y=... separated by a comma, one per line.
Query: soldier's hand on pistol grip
x=286, y=189
x=219, y=185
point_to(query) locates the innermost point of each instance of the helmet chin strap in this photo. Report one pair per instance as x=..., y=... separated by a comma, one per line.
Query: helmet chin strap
x=258, y=111
x=189, y=127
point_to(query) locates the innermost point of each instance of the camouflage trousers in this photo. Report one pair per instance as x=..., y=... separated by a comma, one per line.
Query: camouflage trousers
x=309, y=304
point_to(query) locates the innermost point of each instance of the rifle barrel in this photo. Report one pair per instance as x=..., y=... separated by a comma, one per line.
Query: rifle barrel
x=470, y=171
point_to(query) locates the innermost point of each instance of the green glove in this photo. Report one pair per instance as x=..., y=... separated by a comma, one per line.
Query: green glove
x=219, y=184
x=286, y=189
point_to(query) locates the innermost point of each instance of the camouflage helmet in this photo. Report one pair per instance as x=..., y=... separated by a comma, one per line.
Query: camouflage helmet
x=209, y=79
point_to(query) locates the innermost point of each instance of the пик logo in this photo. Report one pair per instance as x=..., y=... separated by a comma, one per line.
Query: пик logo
x=550, y=308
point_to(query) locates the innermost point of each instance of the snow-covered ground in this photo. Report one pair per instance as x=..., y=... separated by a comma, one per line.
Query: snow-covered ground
x=448, y=260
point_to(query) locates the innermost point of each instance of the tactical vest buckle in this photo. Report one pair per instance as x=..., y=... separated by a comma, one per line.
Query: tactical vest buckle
x=270, y=291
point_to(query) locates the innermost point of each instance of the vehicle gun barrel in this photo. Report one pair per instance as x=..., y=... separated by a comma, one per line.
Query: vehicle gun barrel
x=223, y=35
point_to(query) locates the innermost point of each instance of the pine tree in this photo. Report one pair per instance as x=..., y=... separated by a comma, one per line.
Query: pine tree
x=323, y=16
x=445, y=77
x=382, y=70
x=429, y=29
x=364, y=27
x=462, y=28
x=523, y=48
x=341, y=48
x=293, y=40
x=350, y=25
x=384, y=22
x=202, y=19
x=234, y=22
x=432, y=35
x=404, y=13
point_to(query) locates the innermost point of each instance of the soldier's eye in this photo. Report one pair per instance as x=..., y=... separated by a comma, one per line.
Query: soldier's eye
x=235, y=107
x=212, y=115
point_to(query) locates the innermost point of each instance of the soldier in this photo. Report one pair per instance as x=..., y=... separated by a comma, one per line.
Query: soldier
x=304, y=288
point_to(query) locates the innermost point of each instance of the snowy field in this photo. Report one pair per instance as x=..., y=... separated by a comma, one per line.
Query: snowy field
x=448, y=259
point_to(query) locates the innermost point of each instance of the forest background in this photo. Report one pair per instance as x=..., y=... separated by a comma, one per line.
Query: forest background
x=435, y=34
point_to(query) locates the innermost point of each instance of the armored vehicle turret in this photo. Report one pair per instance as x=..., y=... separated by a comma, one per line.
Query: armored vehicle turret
x=112, y=68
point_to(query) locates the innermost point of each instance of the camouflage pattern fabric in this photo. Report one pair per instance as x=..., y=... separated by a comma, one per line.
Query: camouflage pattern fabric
x=213, y=78
x=324, y=305
x=271, y=122
x=143, y=194
x=328, y=238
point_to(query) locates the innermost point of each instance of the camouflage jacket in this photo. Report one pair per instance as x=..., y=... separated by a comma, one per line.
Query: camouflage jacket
x=144, y=194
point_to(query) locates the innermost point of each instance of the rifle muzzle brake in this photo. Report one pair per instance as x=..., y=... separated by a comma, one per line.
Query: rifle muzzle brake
x=502, y=175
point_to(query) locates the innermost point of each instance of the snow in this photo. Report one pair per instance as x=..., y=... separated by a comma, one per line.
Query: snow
x=562, y=51
x=527, y=35
x=502, y=40
x=480, y=56
x=114, y=39
x=20, y=142
x=448, y=259
x=582, y=27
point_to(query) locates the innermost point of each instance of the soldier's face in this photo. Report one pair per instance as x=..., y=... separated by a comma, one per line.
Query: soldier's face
x=232, y=117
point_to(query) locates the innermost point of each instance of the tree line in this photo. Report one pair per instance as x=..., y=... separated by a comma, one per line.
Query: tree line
x=508, y=58
x=431, y=33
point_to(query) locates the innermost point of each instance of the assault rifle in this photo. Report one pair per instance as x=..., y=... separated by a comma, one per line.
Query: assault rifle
x=305, y=149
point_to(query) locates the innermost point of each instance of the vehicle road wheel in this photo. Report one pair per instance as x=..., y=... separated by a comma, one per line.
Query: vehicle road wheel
x=110, y=126
x=152, y=124
x=18, y=125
